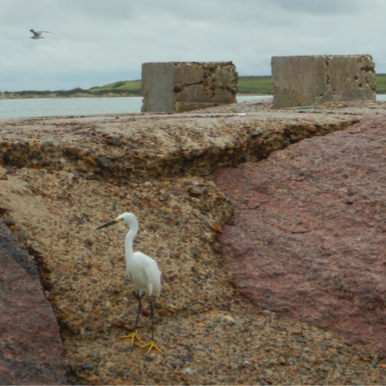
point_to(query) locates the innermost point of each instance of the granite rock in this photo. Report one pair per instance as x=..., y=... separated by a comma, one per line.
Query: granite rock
x=31, y=351
x=308, y=239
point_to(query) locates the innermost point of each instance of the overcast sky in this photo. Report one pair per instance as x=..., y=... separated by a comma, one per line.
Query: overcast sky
x=95, y=42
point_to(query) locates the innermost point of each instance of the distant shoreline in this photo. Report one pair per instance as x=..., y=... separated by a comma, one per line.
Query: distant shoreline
x=35, y=96
x=51, y=95
x=16, y=95
x=247, y=86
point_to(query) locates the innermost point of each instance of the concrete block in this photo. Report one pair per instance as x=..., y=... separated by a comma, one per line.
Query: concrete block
x=185, y=86
x=310, y=80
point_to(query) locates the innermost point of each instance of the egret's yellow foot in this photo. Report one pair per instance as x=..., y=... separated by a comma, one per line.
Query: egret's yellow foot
x=132, y=336
x=152, y=345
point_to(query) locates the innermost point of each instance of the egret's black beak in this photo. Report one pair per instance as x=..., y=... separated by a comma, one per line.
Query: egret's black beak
x=107, y=224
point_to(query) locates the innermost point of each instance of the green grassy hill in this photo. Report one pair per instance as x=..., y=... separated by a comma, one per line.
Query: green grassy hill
x=132, y=87
x=258, y=85
x=381, y=83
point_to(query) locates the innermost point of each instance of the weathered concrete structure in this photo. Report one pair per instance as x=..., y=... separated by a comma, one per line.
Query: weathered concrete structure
x=184, y=86
x=310, y=80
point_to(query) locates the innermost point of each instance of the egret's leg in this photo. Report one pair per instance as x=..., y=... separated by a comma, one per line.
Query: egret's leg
x=139, y=309
x=134, y=334
x=152, y=344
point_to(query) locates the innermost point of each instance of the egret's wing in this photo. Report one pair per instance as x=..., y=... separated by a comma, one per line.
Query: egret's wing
x=151, y=273
x=37, y=34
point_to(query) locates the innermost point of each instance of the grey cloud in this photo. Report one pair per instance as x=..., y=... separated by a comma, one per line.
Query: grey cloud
x=324, y=7
x=93, y=41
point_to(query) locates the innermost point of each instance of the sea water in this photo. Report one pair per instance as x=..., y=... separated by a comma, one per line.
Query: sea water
x=45, y=107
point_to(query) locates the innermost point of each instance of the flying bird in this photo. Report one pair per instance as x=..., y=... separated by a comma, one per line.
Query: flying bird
x=142, y=271
x=38, y=34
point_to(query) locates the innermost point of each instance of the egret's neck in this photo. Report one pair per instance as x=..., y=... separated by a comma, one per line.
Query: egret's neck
x=129, y=239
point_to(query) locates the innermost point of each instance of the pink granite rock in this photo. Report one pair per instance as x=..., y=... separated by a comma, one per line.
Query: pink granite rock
x=309, y=236
x=31, y=351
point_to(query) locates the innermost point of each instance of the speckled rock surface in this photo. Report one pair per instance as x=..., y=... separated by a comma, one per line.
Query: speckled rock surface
x=309, y=235
x=143, y=146
x=63, y=177
x=31, y=351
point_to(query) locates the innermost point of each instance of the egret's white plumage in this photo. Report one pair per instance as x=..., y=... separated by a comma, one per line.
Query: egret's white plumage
x=141, y=270
x=38, y=34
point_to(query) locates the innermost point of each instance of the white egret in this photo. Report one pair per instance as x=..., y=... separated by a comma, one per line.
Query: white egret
x=38, y=34
x=142, y=271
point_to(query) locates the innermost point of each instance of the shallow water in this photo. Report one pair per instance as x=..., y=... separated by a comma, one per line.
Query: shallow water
x=43, y=107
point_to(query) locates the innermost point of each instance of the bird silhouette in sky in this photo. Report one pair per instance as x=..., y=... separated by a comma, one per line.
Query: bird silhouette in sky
x=38, y=34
